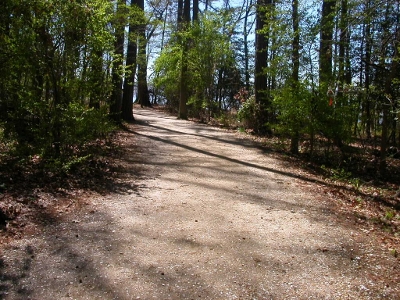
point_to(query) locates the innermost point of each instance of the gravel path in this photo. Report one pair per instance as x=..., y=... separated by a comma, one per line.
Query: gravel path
x=199, y=214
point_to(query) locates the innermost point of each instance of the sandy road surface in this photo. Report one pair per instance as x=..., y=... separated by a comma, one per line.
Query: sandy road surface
x=199, y=214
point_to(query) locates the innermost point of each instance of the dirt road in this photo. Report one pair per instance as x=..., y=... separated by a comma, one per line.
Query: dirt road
x=199, y=214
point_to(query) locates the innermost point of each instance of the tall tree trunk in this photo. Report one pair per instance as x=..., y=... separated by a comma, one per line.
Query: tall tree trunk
x=186, y=13
x=183, y=93
x=127, y=98
x=180, y=14
x=155, y=100
x=164, y=27
x=386, y=105
x=326, y=78
x=325, y=49
x=343, y=26
x=342, y=66
x=195, y=10
x=116, y=96
x=96, y=79
x=246, y=44
x=143, y=90
x=261, y=79
x=294, y=144
x=368, y=49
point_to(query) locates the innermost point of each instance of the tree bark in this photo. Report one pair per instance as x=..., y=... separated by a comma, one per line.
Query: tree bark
x=180, y=14
x=325, y=49
x=249, y=4
x=143, y=90
x=96, y=79
x=261, y=78
x=195, y=10
x=386, y=98
x=368, y=49
x=116, y=96
x=183, y=90
x=127, y=98
x=343, y=45
x=294, y=143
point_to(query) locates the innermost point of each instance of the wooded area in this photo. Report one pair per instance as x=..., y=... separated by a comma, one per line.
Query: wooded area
x=118, y=189
x=323, y=74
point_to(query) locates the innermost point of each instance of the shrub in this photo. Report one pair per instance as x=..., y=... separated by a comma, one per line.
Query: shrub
x=248, y=113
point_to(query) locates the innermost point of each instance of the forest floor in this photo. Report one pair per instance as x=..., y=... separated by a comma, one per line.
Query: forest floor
x=182, y=210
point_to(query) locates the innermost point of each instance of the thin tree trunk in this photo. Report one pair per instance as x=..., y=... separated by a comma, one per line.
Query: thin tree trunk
x=246, y=45
x=116, y=96
x=368, y=49
x=180, y=14
x=96, y=79
x=143, y=90
x=385, y=105
x=195, y=10
x=127, y=98
x=325, y=52
x=164, y=26
x=294, y=144
x=342, y=45
x=261, y=78
x=183, y=93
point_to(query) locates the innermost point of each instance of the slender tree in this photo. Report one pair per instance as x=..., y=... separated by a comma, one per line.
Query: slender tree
x=261, y=78
x=183, y=88
x=116, y=96
x=343, y=46
x=294, y=145
x=387, y=99
x=180, y=14
x=249, y=5
x=367, y=67
x=195, y=10
x=127, y=98
x=326, y=42
x=143, y=90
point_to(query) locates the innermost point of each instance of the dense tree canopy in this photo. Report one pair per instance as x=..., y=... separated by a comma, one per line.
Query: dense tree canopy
x=309, y=70
x=53, y=58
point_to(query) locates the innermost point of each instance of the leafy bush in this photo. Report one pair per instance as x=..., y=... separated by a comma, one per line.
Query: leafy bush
x=294, y=110
x=210, y=61
x=81, y=125
x=53, y=56
x=167, y=68
x=248, y=113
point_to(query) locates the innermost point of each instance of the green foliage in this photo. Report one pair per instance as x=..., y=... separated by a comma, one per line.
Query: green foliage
x=300, y=111
x=248, y=112
x=394, y=253
x=341, y=174
x=337, y=174
x=167, y=67
x=210, y=59
x=82, y=125
x=53, y=56
x=294, y=107
x=390, y=214
x=335, y=115
x=74, y=161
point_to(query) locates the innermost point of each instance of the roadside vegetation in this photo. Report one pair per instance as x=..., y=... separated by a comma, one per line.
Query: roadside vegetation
x=313, y=81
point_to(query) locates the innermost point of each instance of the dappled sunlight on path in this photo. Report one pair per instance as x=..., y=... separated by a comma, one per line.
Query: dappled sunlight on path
x=210, y=217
